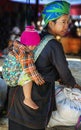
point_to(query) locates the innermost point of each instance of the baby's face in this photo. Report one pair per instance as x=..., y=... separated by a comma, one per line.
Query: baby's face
x=31, y=47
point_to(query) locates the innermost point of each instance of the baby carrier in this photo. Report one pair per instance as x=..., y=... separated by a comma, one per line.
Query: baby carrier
x=12, y=69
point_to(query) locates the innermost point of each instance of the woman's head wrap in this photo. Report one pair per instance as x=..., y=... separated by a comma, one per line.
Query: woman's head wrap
x=54, y=10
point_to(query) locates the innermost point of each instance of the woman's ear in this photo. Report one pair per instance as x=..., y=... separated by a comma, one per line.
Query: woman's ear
x=51, y=24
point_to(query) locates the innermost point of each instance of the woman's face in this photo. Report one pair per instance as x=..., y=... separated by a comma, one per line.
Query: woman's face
x=60, y=26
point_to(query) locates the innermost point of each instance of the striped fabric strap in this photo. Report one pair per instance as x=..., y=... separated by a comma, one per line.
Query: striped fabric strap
x=41, y=46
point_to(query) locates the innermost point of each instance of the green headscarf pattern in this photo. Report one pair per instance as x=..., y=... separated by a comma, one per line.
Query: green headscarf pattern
x=54, y=10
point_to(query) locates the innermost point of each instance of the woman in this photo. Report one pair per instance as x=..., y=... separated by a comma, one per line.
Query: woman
x=52, y=65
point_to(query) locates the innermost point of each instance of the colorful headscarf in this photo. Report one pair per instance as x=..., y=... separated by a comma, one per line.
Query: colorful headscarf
x=54, y=10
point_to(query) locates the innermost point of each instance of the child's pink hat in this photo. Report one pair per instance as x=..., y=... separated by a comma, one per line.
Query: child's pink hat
x=30, y=37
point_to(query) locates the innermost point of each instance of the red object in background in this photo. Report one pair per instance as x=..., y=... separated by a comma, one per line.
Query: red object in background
x=75, y=10
x=0, y=54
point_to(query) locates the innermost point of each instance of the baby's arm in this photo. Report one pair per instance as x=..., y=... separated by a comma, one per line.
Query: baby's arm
x=30, y=68
x=36, y=77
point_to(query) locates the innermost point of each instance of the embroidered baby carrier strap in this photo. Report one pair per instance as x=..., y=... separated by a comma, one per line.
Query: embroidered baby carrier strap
x=41, y=46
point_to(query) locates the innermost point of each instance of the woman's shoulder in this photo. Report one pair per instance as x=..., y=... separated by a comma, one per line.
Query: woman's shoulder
x=53, y=42
x=50, y=40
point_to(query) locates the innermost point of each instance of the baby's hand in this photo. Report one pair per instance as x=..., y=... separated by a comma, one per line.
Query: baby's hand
x=39, y=80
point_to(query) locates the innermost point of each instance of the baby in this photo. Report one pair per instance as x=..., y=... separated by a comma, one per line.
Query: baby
x=23, y=52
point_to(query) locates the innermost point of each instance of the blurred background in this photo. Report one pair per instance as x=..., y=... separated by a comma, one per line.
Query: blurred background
x=16, y=14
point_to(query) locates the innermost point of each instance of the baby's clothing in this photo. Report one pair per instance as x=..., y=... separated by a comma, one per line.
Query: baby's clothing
x=11, y=70
x=24, y=78
x=19, y=60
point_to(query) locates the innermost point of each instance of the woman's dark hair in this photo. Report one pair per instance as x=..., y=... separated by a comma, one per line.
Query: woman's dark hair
x=45, y=30
x=54, y=21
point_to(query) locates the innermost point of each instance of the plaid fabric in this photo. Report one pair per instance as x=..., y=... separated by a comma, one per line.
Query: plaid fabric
x=25, y=57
